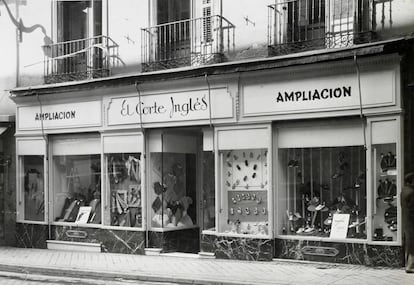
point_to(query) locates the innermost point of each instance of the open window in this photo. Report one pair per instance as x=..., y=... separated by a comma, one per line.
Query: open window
x=173, y=29
x=77, y=51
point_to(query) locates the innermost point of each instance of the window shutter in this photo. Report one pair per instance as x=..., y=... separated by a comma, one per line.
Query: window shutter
x=207, y=36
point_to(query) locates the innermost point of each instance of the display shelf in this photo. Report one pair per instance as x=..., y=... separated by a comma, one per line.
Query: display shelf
x=385, y=226
x=245, y=180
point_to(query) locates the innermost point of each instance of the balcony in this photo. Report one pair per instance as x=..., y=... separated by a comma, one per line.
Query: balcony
x=79, y=59
x=191, y=42
x=303, y=25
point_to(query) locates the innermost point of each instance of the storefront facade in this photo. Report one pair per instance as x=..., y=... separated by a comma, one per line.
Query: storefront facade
x=299, y=162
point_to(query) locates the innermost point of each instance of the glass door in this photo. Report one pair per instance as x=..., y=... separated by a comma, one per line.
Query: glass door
x=173, y=189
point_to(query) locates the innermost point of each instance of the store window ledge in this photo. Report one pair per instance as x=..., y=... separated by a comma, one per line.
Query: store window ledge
x=233, y=235
x=73, y=246
x=323, y=239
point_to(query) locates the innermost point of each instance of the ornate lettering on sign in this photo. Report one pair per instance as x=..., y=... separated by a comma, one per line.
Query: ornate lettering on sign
x=76, y=234
x=313, y=95
x=183, y=109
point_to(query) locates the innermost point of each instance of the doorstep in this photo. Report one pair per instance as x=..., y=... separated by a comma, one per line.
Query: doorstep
x=73, y=246
x=152, y=251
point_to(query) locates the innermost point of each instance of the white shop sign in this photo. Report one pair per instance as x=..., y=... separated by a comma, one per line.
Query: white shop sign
x=173, y=106
x=337, y=92
x=67, y=115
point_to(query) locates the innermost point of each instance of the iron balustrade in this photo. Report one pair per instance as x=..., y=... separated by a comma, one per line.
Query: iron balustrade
x=79, y=59
x=301, y=25
x=188, y=42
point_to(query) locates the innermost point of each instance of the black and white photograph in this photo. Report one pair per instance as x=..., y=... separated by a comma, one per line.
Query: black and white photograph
x=169, y=142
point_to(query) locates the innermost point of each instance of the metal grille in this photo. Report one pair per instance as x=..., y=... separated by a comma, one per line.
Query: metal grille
x=79, y=59
x=189, y=42
x=301, y=25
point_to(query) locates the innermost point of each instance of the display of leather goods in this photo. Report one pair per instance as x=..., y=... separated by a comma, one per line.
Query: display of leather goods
x=328, y=220
x=388, y=161
x=378, y=234
x=390, y=215
x=156, y=204
x=386, y=189
x=159, y=189
x=293, y=163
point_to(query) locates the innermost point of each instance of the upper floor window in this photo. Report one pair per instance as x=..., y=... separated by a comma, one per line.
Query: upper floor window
x=79, y=51
x=185, y=33
x=300, y=25
x=78, y=20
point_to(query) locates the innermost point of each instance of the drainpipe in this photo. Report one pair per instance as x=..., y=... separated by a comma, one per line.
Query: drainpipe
x=17, y=46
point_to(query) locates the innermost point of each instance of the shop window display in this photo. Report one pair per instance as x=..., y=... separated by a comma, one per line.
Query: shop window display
x=124, y=177
x=245, y=178
x=315, y=184
x=77, y=188
x=385, y=191
x=173, y=193
x=33, y=170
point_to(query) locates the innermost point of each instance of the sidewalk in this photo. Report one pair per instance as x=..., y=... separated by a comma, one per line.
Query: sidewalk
x=189, y=270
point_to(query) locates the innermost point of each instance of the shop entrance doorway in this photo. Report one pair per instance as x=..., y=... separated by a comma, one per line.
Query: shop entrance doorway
x=175, y=195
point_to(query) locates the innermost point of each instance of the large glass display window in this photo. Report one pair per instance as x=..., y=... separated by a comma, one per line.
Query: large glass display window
x=123, y=176
x=31, y=195
x=385, y=220
x=386, y=184
x=322, y=180
x=76, y=180
x=322, y=187
x=173, y=181
x=244, y=173
x=34, y=188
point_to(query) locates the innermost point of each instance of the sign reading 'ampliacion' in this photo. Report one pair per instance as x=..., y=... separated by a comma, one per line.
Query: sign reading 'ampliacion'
x=266, y=96
x=63, y=115
x=80, y=114
x=314, y=95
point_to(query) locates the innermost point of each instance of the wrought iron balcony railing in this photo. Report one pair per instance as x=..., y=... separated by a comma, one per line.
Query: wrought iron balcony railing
x=189, y=42
x=79, y=59
x=301, y=25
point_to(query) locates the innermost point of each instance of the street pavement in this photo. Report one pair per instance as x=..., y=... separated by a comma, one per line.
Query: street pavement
x=109, y=268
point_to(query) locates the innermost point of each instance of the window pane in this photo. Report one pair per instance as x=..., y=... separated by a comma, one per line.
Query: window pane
x=317, y=185
x=385, y=226
x=77, y=188
x=33, y=171
x=245, y=185
x=124, y=177
x=173, y=193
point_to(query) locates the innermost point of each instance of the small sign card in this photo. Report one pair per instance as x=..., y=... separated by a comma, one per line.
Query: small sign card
x=339, y=227
x=83, y=215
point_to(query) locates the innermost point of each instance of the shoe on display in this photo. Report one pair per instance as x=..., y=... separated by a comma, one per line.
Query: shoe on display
x=300, y=230
x=309, y=230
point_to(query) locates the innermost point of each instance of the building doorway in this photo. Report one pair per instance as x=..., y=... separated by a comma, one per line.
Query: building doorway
x=176, y=184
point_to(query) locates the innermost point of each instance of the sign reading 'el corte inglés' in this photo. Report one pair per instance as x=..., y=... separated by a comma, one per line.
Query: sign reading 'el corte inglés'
x=68, y=115
x=338, y=92
x=174, y=106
